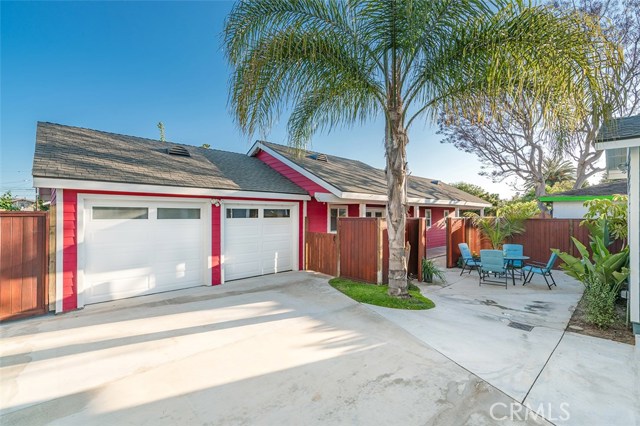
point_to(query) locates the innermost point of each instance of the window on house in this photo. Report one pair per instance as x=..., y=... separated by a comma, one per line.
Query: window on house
x=334, y=214
x=375, y=213
x=242, y=213
x=445, y=213
x=269, y=213
x=173, y=213
x=120, y=213
x=427, y=216
x=616, y=160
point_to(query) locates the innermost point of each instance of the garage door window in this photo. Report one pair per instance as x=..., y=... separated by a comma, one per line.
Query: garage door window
x=173, y=213
x=242, y=213
x=120, y=213
x=269, y=213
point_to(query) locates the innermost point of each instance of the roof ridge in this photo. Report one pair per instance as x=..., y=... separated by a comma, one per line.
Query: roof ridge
x=133, y=136
x=323, y=153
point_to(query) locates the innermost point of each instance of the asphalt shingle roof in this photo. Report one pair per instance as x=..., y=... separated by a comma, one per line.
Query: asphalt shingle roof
x=620, y=128
x=355, y=176
x=609, y=188
x=67, y=152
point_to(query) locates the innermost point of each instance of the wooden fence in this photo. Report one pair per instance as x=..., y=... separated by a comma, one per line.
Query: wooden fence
x=539, y=237
x=24, y=247
x=321, y=253
x=360, y=249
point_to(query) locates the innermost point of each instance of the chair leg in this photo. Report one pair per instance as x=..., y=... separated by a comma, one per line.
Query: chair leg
x=546, y=280
x=463, y=265
x=552, y=280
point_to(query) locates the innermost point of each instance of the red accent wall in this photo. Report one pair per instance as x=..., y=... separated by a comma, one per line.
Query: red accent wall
x=302, y=181
x=216, y=246
x=437, y=233
x=301, y=265
x=353, y=210
x=317, y=214
x=70, y=250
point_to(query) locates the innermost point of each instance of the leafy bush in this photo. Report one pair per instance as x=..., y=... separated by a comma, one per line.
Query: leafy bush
x=601, y=300
x=6, y=202
x=602, y=275
x=497, y=229
x=607, y=218
x=519, y=210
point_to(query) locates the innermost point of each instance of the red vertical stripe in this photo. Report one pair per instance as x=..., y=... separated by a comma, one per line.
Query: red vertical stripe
x=216, y=249
x=70, y=250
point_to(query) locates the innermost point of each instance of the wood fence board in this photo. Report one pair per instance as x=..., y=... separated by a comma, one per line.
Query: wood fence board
x=23, y=264
x=540, y=236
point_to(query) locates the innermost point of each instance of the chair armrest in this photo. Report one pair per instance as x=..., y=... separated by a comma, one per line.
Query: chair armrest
x=534, y=263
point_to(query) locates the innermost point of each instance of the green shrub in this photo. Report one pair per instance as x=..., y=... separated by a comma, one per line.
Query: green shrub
x=602, y=275
x=601, y=299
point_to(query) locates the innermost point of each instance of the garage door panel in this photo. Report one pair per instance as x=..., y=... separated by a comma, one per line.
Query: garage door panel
x=130, y=257
x=260, y=245
x=103, y=290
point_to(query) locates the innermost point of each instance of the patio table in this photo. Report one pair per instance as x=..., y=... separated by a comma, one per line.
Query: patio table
x=511, y=261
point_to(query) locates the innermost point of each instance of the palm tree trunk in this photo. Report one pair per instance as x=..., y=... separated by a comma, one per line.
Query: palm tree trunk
x=396, y=171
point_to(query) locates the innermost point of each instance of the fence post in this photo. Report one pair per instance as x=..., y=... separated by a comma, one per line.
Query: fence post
x=336, y=238
x=379, y=251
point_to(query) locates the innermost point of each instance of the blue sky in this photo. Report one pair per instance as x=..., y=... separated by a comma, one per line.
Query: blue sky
x=123, y=66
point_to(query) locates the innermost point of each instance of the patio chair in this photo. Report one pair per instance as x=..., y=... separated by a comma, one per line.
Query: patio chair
x=514, y=250
x=492, y=263
x=467, y=258
x=540, y=268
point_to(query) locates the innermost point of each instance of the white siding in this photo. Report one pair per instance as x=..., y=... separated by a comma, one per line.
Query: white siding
x=569, y=209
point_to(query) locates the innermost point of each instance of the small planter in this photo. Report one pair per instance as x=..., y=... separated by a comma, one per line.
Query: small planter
x=430, y=270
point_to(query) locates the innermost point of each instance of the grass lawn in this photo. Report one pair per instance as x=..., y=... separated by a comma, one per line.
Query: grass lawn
x=377, y=295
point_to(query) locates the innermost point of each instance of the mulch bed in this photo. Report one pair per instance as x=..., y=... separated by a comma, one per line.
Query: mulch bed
x=619, y=332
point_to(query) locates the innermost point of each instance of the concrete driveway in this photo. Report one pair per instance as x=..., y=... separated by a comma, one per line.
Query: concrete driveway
x=285, y=349
x=515, y=340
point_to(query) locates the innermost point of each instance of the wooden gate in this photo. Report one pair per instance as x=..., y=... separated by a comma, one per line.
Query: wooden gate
x=23, y=264
x=360, y=249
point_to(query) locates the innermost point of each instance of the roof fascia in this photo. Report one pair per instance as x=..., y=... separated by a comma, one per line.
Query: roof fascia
x=618, y=143
x=304, y=172
x=43, y=182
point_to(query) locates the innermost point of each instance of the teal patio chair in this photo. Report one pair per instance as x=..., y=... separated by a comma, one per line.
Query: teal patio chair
x=492, y=263
x=467, y=258
x=514, y=250
x=540, y=268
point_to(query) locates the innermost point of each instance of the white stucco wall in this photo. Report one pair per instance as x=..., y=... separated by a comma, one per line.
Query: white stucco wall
x=568, y=209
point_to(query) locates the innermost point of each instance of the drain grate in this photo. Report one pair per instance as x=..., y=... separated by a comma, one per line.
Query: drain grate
x=520, y=326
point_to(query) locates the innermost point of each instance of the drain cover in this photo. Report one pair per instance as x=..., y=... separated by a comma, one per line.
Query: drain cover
x=520, y=326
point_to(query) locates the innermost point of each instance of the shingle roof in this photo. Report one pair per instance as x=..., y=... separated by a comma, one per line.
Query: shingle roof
x=355, y=176
x=603, y=189
x=620, y=128
x=67, y=152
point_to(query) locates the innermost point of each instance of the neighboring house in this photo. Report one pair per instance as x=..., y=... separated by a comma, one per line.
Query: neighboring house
x=624, y=133
x=570, y=204
x=341, y=187
x=136, y=216
x=24, y=205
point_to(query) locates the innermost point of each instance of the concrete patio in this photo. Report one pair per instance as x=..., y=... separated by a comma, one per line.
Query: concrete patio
x=515, y=339
x=280, y=349
x=289, y=348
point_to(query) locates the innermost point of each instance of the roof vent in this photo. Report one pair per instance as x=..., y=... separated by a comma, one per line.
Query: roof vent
x=435, y=182
x=178, y=150
x=318, y=157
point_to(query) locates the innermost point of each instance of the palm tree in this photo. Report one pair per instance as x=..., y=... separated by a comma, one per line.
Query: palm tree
x=338, y=62
x=557, y=170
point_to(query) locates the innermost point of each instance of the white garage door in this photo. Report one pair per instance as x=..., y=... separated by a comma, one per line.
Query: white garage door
x=132, y=248
x=259, y=239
